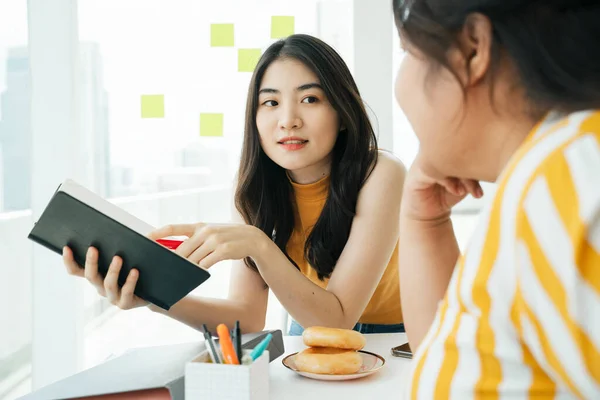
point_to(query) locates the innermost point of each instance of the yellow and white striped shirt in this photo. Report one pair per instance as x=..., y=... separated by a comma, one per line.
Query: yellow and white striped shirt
x=521, y=317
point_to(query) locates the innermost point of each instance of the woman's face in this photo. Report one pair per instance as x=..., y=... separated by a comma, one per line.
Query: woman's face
x=433, y=101
x=298, y=127
x=469, y=121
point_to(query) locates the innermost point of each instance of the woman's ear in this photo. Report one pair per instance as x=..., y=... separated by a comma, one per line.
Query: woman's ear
x=476, y=41
x=342, y=126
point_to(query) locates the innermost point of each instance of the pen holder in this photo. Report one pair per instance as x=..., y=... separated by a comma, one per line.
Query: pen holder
x=206, y=380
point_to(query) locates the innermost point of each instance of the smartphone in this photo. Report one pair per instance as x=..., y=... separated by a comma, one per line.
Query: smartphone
x=403, y=351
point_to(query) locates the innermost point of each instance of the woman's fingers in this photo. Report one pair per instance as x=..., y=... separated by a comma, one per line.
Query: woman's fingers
x=91, y=270
x=211, y=259
x=453, y=186
x=173, y=230
x=72, y=267
x=196, y=241
x=201, y=252
x=472, y=187
x=462, y=187
x=128, y=299
x=188, y=247
x=108, y=287
x=111, y=281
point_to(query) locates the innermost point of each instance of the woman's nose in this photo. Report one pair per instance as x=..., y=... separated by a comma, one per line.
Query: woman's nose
x=289, y=120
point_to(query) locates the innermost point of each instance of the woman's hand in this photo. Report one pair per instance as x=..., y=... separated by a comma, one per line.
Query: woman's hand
x=429, y=196
x=210, y=244
x=107, y=287
x=428, y=249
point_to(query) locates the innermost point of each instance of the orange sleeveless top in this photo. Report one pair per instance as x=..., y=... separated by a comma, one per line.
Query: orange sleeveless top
x=384, y=306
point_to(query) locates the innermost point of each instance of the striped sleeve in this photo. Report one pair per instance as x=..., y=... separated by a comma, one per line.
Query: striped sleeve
x=558, y=268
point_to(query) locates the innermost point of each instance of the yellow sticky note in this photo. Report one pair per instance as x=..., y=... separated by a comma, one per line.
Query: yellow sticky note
x=153, y=106
x=221, y=35
x=211, y=125
x=282, y=27
x=247, y=59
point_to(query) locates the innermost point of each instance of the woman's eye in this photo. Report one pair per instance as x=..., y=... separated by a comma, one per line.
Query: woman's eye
x=270, y=103
x=310, y=100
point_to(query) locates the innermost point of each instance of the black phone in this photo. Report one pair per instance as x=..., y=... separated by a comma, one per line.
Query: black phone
x=403, y=351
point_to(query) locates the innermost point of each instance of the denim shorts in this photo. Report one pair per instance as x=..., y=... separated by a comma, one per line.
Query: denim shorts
x=296, y=329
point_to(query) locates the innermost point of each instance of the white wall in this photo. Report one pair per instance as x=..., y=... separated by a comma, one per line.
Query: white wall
x=373, y=64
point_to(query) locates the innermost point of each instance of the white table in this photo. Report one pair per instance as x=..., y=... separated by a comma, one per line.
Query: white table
x=286, y=384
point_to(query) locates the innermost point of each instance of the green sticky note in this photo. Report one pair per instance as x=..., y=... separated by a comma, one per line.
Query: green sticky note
x=282, y=27
x=221, y=35
x=153, y=106
x=247, y=59
x=211, y=125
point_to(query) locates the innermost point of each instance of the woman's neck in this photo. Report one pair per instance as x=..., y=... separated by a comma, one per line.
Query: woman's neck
x=492, y=150
x=507, y=138
x=311, y=173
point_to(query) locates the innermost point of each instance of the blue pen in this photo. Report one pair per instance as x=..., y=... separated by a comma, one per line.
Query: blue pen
x=258, y=350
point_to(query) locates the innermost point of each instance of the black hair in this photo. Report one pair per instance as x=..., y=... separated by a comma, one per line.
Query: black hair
x=553, y=44
x=264, y=195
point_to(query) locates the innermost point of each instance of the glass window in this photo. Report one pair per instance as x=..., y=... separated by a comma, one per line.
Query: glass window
x=15, y=189
x=15, y=132
x=166, y=86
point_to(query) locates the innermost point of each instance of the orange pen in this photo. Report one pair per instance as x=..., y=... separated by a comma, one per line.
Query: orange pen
x=227, y=349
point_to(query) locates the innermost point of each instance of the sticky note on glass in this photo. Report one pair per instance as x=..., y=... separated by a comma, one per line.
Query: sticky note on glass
x=221, y=35
x=282, y=27
x=211, y=125
x=247, y=59
x=153, y=106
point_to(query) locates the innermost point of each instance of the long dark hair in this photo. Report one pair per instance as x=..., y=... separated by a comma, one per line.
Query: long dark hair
x=552, y=43
x=264, y=194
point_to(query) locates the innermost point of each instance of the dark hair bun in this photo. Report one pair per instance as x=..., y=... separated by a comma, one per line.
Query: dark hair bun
x=554, y=44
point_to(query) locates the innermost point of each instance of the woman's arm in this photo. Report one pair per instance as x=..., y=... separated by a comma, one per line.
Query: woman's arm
x=428, y=253
x=247, y=303
x=428, y=247
x=372, y=240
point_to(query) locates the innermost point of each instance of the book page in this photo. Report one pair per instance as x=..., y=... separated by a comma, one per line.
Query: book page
x=105, y=207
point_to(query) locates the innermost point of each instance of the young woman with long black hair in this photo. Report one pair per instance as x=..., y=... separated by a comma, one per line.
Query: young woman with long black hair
x=317, y=208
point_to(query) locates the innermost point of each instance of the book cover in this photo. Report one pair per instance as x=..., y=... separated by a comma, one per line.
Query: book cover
x=78, y=218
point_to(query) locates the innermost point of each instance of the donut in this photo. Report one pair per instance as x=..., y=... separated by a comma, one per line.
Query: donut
x=346, y=339
x=328, y=361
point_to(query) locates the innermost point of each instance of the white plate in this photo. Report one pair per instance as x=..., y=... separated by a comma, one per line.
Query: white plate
x=371, y=363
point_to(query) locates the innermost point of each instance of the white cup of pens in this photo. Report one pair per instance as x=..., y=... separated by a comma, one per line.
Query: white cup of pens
x=226, y=371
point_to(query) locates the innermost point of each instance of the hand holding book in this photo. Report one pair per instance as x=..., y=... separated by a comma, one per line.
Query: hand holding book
x=122, y=297
x=111, y=248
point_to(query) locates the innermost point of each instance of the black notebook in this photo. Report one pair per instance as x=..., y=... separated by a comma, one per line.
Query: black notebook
x=78, y=218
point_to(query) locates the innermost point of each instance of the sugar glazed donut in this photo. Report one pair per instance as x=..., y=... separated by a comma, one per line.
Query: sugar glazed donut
x=328, y=361
x=335, y=338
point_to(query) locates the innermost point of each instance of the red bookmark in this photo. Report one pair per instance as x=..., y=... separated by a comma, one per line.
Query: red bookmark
x=171, y=244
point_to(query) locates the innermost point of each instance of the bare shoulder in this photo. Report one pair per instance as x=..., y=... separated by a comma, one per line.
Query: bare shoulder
x=386, y=179
x=389, y=169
